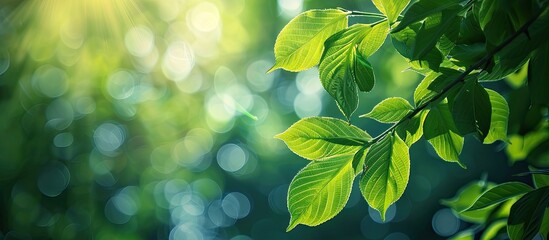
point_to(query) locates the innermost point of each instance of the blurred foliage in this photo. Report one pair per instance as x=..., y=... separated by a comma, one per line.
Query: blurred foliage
x=135, y=120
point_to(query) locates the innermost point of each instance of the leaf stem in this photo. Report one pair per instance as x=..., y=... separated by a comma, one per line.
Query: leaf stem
x=461, y=78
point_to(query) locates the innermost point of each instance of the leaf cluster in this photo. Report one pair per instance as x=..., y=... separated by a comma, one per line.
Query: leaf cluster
x=456, y=45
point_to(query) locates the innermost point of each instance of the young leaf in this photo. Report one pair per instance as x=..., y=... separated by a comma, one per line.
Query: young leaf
x=300, y=44
x=317, y=138
x=538, y=71
x=387, y=173
x=471, y=109
x=390, y=110
x=374, y=39
x=526, y=214
x=320, y=191
x=422, y=9
x=441, y=133
x=499, y=194
x=336, y=67
x=363, y=73
x=391, y=8
x=499, y=118
x=411, y=129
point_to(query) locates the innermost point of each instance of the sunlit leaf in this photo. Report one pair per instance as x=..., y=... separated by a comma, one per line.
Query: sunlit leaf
x=493, y=230
x=411, y=129
x=464, y=235
x=499, y=194
x=391, y=8
x=336, y=67
x=320, y=191
x=424, y=8
x=433, y=84
x=390, y=110
x=538, y=71
x=387, y=173
x=527, y=213
x=439, y=129
x=375, y=38
x=499, y=117
x=317, y=138
x=472, y=110
x=300, y=44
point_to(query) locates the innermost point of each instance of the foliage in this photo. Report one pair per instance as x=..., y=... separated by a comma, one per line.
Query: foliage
x=457, y=45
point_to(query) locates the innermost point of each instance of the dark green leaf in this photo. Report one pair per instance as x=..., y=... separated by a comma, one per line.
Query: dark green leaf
x=300, y=44
x=466, y=55
x=319, y=138
x=540, y=179
x=359, y=157
x=387, y=173
x=513, y=56
x=465, y=197
x=440, y=131
x=471, y=109
x=425, y=8
x=390, y=110
x=433, y=84
x=526, y=214
x=499, y=194
x=363, y=73
x=538, y=73
x=320, y=191
x=470, y=31
x=431, y=30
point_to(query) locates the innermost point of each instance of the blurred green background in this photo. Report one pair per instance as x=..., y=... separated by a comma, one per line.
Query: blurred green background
x=155, y=120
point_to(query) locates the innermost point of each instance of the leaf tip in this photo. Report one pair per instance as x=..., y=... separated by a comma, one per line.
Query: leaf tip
x=273, y=68
x=292, y=225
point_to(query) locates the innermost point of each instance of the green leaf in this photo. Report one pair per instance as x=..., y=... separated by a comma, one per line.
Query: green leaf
x=405, y=43
x=538, y=71
x=336, y=67
x=470, y=31
x=390, y=110
x=359, y=158
x=521, y=146
x=391, y=8
x=464, y=235
x=387, y=173
x=466, y=55
x=513, y=56
x=471, y=109
x=540, y=180
x=431, y=30
x=465, y=197
x=440, y=131
x=493, y=230
x=526, y=214
x=500, y=19
x=424, y=8
x=433, y=84
x=317, y=138
x=300, y=44
x=363, y=73
x=499, y=194
x=320, y=191
x=374, y=39
x=499, y=117
x=411, y=129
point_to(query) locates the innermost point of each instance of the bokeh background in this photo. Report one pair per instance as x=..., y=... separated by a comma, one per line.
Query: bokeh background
x=142, y=119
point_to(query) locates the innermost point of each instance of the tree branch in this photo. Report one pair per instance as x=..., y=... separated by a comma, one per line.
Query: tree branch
x=461, y=78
